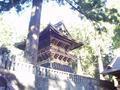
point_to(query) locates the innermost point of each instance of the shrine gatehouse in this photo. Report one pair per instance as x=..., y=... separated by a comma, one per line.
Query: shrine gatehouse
x=55, y=44
x=52, y=70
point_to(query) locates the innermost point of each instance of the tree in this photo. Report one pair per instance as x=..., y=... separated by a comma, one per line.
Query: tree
x=6, y=32
x=116, y=38
x=32, y=41
x=93, y=10
x=96, y=46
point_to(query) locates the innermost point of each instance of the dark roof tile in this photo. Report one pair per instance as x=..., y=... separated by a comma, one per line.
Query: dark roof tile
x=113, y=67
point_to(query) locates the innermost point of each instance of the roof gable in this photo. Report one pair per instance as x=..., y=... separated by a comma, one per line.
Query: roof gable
x=60, y=28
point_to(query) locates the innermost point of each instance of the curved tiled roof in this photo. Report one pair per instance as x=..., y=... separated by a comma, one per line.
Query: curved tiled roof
x=114, y=67
x=60, y=31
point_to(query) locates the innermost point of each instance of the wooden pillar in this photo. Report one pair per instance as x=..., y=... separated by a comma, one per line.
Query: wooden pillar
x=79, y=66
x=100, y=64
x=33, y=34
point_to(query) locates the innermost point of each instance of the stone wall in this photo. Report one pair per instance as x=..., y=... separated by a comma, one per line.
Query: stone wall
x=23, y=76
x=60, y=80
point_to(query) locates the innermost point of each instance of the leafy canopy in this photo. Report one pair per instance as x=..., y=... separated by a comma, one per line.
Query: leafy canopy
x=93, y=10
x=116, y=38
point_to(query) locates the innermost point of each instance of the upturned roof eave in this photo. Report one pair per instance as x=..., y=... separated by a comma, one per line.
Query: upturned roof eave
x=113, y=68
x=22, y=45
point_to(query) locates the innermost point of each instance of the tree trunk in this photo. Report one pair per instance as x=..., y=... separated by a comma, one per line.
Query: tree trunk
x=99, y=54
x=33, y=34
x=79, y=67
x=100, y=63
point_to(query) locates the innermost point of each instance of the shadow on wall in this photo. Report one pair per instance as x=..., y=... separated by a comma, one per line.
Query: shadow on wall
x=3, y=83
x=59, y=84
x=30, y=88
x=8, y=81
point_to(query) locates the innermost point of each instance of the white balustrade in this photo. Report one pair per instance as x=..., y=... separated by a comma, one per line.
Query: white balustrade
x=48, y=73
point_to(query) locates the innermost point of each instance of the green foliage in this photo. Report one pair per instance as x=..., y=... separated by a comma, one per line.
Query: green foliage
x=93, y=10
x=116, y=38
x=106, y=59
x=6, y=5
x=4, y=49
x=93, y=40
x=90, y=60
x=5, y=32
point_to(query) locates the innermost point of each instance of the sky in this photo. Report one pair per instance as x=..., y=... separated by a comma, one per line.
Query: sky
x=51, y=13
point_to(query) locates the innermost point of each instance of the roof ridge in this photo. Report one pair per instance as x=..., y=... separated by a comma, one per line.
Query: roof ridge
x=113, y=62
x=64, y=31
